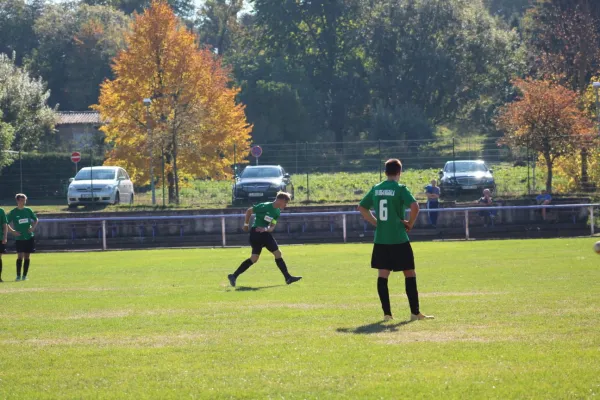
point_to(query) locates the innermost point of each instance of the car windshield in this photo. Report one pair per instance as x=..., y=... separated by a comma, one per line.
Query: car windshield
x=267, y=172
x=95, y=173
x=462, y=166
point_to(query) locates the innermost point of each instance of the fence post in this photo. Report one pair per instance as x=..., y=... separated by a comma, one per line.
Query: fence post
x=307, y=184
x=344, y=227
x=466, y=224
x=592, y=220
x=103, y=235
x=223, y=236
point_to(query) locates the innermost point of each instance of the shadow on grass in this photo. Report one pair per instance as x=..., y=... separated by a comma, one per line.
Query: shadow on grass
x=254, y=289
x=377, y=327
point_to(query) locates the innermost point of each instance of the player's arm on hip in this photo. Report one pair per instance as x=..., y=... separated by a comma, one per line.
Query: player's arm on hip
x=367, y=215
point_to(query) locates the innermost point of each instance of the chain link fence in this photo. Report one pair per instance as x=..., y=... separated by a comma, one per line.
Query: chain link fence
x=321, y=173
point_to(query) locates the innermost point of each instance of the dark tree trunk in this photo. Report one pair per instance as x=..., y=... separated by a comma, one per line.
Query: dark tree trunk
x=549, y=165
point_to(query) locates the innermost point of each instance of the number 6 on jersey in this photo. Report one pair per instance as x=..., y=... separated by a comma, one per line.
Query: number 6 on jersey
x=383, y=210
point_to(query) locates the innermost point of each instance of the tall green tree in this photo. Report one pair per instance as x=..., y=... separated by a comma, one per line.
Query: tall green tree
x=217, y=23
x=76, y=45
x=23, y=107
x=448, y=58
x=17, y=18
x=324, y=39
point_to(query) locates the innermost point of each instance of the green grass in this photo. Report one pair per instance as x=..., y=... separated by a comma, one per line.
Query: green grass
x=514, y=319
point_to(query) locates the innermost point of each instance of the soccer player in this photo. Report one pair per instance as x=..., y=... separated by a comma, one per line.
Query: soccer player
x=260, y=236
x=392, y=250
x=4, y=223
x=24, y=222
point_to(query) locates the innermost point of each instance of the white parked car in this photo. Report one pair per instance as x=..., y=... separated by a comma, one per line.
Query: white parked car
x=111, y=185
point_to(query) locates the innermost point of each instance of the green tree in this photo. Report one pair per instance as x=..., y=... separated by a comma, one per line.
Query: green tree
x=76, y=45
x=23, y=106
x=183, y=8
x=17, y=18
x=324, y=39
x=217, y=23
x=448, y=58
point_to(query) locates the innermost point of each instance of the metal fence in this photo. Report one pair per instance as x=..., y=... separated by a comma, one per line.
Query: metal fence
x=320, y=227
x=322, y=172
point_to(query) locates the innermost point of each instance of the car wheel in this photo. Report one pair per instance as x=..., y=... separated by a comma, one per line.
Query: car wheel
x=117, y=198
x=72, y=206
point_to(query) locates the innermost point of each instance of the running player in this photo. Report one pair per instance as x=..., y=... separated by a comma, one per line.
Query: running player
x=260, y=236
x=392, y=250
x=23, y=221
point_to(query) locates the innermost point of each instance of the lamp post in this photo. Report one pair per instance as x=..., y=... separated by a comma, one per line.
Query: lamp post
x=147, y=103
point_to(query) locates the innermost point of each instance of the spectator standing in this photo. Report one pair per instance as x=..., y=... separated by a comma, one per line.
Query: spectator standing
x=432, y=192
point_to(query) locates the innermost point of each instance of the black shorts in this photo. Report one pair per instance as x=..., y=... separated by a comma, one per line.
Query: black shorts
x=2, y=248
x=25, y=246
x=258, y=240
x=393, y=257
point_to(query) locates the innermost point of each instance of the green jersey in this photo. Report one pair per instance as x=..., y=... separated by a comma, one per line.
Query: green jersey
x=389, y=199
x=22, y=220
x=3, y=220
x=266, y=214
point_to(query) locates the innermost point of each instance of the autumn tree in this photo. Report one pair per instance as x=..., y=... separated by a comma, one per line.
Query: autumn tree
x=564, y=38
x=193, y=118
x=546, y=118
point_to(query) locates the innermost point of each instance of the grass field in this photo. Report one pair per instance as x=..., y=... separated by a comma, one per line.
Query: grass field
x=514, y=319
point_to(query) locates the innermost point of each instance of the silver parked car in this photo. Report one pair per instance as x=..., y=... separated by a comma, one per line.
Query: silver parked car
x=111, y=185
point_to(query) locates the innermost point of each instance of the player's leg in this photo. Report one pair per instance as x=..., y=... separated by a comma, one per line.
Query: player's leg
x=1, y=267
x=26, y=262
x=406, y=257
x=384, y=293
x=273, y=247
x=380, y=259
x=257, y=245
x=20, y=257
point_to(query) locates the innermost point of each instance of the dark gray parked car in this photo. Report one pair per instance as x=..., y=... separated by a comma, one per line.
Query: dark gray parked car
x=260, y=183
x=465, y=176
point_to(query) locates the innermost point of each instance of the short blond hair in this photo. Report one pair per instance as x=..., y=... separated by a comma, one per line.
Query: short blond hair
x=20, y=196
x=283, y=196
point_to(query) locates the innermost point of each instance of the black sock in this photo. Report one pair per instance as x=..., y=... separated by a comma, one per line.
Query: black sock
x=19, y=264
x=0, y=268
x=384, y=295
x=243, y=267
x=26, y=267
x=413, y=295
x=282, y=267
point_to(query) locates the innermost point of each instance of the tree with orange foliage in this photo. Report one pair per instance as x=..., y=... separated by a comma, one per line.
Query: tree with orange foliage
x=193, y=118
x=546, y=119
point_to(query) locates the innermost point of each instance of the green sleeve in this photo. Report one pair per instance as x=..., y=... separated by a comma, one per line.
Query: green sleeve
x=406, y=196
x=9, y=217
x=4, y=218
x=367, y=201
x=32, y=215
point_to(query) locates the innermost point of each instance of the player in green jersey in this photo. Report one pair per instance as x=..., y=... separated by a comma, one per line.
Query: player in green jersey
x=392, y=250
x=24, y=222
x=260, y=236
x=5, y=228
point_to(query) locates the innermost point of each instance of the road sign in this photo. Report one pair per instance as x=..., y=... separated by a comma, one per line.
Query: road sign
x=75, y=157
x=256, y=151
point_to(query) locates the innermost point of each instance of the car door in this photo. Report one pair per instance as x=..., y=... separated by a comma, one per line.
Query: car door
x=127, y=182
